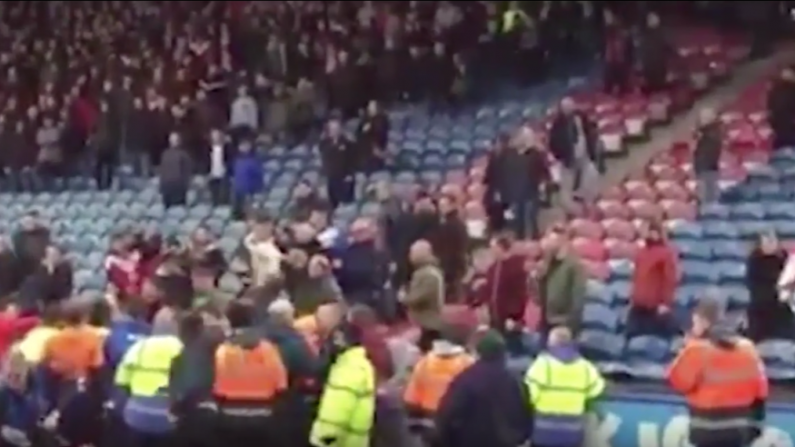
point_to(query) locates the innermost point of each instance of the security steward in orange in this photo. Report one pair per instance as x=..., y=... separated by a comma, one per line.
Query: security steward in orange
x=432, y=376
x=723, y=381
x=250, y=379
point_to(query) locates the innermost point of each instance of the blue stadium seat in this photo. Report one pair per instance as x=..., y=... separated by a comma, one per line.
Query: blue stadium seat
x=647, y=348
x=600, y=345
x=600, y=317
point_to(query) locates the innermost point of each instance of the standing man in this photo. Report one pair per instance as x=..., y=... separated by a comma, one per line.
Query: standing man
x=723, y=381
x=176, y=170
x=247, y=178
x=573, y=142
x=563, y=387
x=706, y=158
x=424, y=296
x=339, y=164
x=220, y=160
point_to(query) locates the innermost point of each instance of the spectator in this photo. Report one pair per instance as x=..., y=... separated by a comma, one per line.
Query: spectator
x=562, y=293
x=50, y=156
x=617, y=56
x=10, y=277
x=258, y=255
x=781, y=109
x=303, y=113
x=573, y=142
x=51, y=282
x=203, y=252
x=176, y=171
x=450, y=243
x=654, y=52
x=247, y=178
x=501, y=417
x=309, y=281
x=504, y=292
x=493, y=197
x=373, y=340
x=521, y=181
x=220, y=160
x=372, y=138
x=363, y=269
x=244, y=115
x=122, y=265
x=424, y=296
x=279, y=328
x=15, y=155
x=105, y=146
x=654, y=284
x=306, y=200
x=706, y=158
x=337, y=154
x=767, y=316
x=278, y=113
x=30, y=242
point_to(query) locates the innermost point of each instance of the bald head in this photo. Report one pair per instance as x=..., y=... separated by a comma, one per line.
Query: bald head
x=567, y=105
x=707, y=115
x=560, y=336
x=421, y=252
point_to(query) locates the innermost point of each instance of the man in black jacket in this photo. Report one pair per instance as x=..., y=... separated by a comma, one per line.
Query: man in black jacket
x=573, y=141
x=706, y=158
x=338, y=156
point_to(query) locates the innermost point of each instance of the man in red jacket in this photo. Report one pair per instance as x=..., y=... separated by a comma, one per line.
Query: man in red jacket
x=653, y=287
x=505, y=291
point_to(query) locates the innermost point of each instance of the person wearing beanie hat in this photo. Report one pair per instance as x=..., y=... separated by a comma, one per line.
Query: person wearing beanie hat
x=485, y=404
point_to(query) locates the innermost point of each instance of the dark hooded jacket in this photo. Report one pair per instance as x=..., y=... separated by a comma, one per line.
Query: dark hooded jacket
x=485, y=405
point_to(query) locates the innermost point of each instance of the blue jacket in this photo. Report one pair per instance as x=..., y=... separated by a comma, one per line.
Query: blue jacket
x=20, y=411
x=485, y=405
x=124, y=332
x=247, y=174
x=363, y=271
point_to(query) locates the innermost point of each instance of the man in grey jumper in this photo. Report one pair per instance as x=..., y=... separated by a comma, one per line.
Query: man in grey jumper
x=176, y=170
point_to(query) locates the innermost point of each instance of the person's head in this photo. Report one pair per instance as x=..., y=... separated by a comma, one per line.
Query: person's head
x=438, y=48
x=216, y=137
x=302, y=189
x=788, y=74
x=424, y=204
x=99, y=313
x=707, y=116
x=560, y=336
x=242, y=91
x=362, y=230
x=707, y=313
x=568, y=106
x=240, y=314
x=51, y=314
x=768, y=243
x=373, y=108
x=262, y=226
x=328, y=316
x=30, y=221
x=318, y=218
x=655, y=233
x=652, y=20
x=53, y=255
x=490, y=346
x=319, y=266
x=362, y=315
x=502, y=243
x=190, y=326
x=174, y=139
x=334, y=128
x=447, y=205
x=303, y=232
x=282, y=310
x=74, y=312
x=421, y=252
x=201, y=237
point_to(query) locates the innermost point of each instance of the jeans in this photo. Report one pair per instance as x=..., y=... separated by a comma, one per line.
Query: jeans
x=525, y=218
x=708, y=189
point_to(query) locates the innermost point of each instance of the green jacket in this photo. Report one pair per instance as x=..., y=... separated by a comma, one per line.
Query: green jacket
x=563, y=291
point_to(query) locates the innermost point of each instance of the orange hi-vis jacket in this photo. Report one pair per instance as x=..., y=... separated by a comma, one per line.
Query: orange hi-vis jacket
x=430, y=379
x=722, y=382
x=74, y=352
x=249, y=374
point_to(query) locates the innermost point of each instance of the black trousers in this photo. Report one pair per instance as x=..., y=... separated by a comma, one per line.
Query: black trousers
x=174, y=195
x=219, y=191
x=103, y=172
x=341, y=190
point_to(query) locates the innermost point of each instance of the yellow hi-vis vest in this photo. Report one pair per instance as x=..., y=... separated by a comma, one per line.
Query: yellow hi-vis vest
x=347, y=406
x=145, y=367
x=558, y=388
